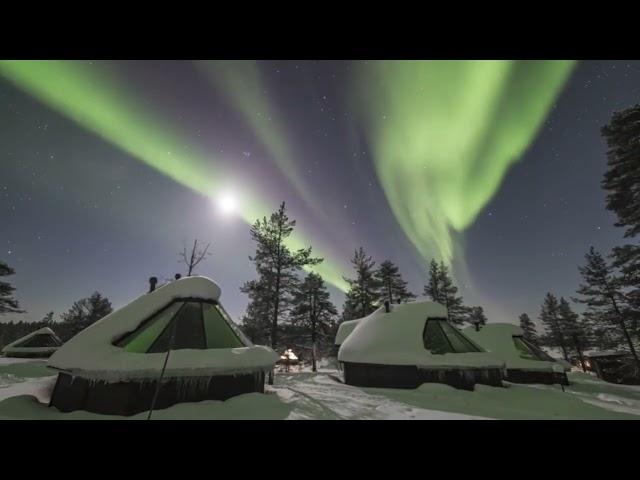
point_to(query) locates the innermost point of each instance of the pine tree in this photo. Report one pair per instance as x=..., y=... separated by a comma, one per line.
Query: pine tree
x=362, y=289
x=8, y=304
x=477, y=317
x=433, y=289
x=555, y=334
x=622, y=182
x=349, y=308
x=622, y=179
x=85, y=312
x=313, y=309
x=256, y=323
x=392, y=287
x=607, y=306
x=277, y=267
x=528, y=328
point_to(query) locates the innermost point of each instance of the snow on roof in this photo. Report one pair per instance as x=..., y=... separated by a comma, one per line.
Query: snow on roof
x=344, y=330
x=92, y=352
x=396, y=338
x=497, y=338
x=14, y=347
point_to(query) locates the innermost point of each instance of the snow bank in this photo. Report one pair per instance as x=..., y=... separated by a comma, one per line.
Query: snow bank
x=91, y=353
x=40, y=388
x=250, y=406
x=396, y=338
x=497, y=338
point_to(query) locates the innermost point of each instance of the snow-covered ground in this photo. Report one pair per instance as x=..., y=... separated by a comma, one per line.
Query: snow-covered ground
x=306, y=395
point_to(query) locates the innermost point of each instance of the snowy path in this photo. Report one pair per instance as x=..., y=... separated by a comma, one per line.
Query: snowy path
x=321, y=397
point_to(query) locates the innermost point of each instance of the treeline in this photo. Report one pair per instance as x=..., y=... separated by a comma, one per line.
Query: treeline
x=610, y=287
x=288, y=309
x=372, y=286
x=82, y=313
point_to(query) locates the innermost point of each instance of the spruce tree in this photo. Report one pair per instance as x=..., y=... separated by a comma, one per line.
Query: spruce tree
x=575, y=330
x=555, y=333
x=8, y=304
x=433, y=289
x=277, y=266
x=607, y=306
x=392, y=286
x=528, y=328
x=83, y=313
x=312, y=308
x=363, y=289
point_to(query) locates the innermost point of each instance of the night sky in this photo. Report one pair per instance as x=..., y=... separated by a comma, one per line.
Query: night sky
x=101, y=186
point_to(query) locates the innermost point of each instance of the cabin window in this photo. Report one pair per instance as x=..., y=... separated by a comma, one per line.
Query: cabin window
x=218, y=332
x=529, y=351
x=193, y=324
x=142, y=339
x=42, y=340
x=440, y=337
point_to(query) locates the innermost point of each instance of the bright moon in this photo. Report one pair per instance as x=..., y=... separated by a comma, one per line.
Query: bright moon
x=227, y=203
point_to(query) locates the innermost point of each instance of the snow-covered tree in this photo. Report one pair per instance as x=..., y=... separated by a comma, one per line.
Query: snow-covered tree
x=363, y=289
x=312, y=309
x=392, y=286
x=607, y=306
x=277, y=266
x=529, y=328
x=8, y=304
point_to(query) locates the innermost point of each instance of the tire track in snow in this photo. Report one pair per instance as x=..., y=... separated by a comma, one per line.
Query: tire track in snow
x=351, y=403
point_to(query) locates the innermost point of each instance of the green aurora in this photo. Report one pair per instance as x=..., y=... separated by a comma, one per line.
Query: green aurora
x=91, y=96
x=444, y=133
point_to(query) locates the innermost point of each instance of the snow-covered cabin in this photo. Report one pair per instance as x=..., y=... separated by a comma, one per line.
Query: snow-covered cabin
x=525, y=362
x=344, y=330
x=178, y=333
x=39, y=344
x=613, y=366
x=405, y=345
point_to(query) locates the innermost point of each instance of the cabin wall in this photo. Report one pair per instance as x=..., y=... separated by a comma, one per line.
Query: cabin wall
x=406, y=376
x=128, y=398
